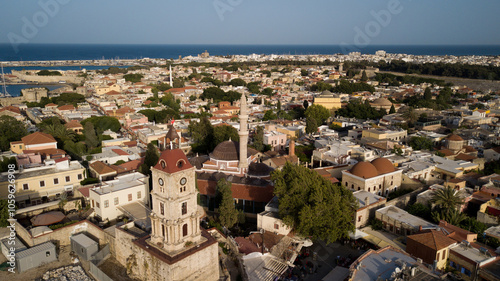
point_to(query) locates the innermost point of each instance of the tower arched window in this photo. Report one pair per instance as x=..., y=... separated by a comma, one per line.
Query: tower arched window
x=185, y=230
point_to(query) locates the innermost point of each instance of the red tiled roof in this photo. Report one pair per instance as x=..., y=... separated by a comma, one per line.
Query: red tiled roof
x=101, y=168
x=132, y=165
x=120, y=152
x=433, y=239
x=38, y=138
x=66, y=107
x=11, y=108
x=73, y=124
x=172, y=161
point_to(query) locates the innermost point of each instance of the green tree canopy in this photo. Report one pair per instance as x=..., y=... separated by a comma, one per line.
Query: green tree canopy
x=10, y=130
x=258, y=138
x=392, y=110
x=312, y=205
x=269, y=115
x=317, y=112
x=202, y=133
x=134, y=78
x=103, y=123
x=311, y=125
x=218, y=95
x=237, y=82
x=364, y=77
x=447, y=198
x=420, y=143
x=91, y=138
x=228, y=215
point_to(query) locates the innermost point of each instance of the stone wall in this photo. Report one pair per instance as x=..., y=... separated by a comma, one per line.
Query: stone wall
x=202, y=265
x=62, y=235
x=47, y=79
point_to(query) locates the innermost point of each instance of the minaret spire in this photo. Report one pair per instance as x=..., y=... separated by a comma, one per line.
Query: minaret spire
x=243, y=133
x=171, y=84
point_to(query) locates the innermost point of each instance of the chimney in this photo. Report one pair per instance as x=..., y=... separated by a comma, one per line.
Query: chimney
x=291, y=148
x=367, y=201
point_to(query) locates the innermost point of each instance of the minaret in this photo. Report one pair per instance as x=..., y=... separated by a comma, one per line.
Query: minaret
x=243, y=133
x=171, y=84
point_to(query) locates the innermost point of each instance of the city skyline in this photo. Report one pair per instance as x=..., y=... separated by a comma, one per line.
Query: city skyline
x=239, y=22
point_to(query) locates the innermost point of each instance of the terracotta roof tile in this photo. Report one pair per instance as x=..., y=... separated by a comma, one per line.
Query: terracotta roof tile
x=38, y=138
x=172, y=161
x=433, y=239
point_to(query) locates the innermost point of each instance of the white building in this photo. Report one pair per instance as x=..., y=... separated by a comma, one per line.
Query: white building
x=108, y=198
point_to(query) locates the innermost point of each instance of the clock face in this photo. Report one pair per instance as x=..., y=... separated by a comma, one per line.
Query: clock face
x=183, y=181
x=160, y=181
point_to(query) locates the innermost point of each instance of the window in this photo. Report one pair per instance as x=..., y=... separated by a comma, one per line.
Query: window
x=359, y=218
x=25, y=186
x=68, y=178
x=97, y=204
x=130, y=197
x=346, y=184
x=47, y=254
x=80, y=176
x=391, y=182
x=106, y=203
x=163, y=230
x=117, y=201
x=184, y=208
x=276, y=226
x=93, y=204
x=56, y=181
x=162, y=208
x=138, y=195
x=368, y=189
x=437, y=258
x=42, y=183
x=185, y=230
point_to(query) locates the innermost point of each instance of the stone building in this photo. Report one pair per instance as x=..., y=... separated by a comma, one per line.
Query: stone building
x=378, y=177
x=177, y=248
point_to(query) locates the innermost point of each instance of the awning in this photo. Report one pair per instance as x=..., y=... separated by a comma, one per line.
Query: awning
x=48, y=218
x=357, y=234
x=376, y=241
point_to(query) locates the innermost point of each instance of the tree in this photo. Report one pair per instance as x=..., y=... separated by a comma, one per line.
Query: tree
x=10, y=130
x=318, y=112
x=258, y=138
x=178, y=83
x=419, y=143
x=237, y=82
x=392, y=110
x=453, y=217
x=304, y=72
x=311, y=125
x=91, y=138
x=4, y=213
x=60, y=132
x=305, y=104
x=410, y=115
x=278, y=106
x=134, y=78
x=151, y=158
x=427, y=94
x=269, y=115
x=420, y=210
x=224, y=133
x=228, y=215
x=364, y=77
x=447, y=198
x=312, y=205
x=103, y=123
x=202, y=135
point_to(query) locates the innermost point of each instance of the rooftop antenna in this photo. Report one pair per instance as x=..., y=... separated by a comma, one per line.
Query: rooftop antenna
x=4, y=87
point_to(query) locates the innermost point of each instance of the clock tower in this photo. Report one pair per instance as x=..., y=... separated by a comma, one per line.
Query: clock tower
x=174, y=218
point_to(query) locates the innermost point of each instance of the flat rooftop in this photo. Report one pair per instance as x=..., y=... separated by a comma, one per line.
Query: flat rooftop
x=402, y=216
x=121, y=183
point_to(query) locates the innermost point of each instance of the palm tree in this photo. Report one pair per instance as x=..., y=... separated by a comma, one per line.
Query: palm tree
x=447, y=198
x=453, y=217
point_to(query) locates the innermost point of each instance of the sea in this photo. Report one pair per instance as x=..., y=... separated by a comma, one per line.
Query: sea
x=35, y=52
x=44, y=52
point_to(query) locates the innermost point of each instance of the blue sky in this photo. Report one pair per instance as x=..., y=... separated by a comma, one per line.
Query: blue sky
x=423, y=22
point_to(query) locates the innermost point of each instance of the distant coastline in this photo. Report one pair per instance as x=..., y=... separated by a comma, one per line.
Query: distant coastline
x=34, y=52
